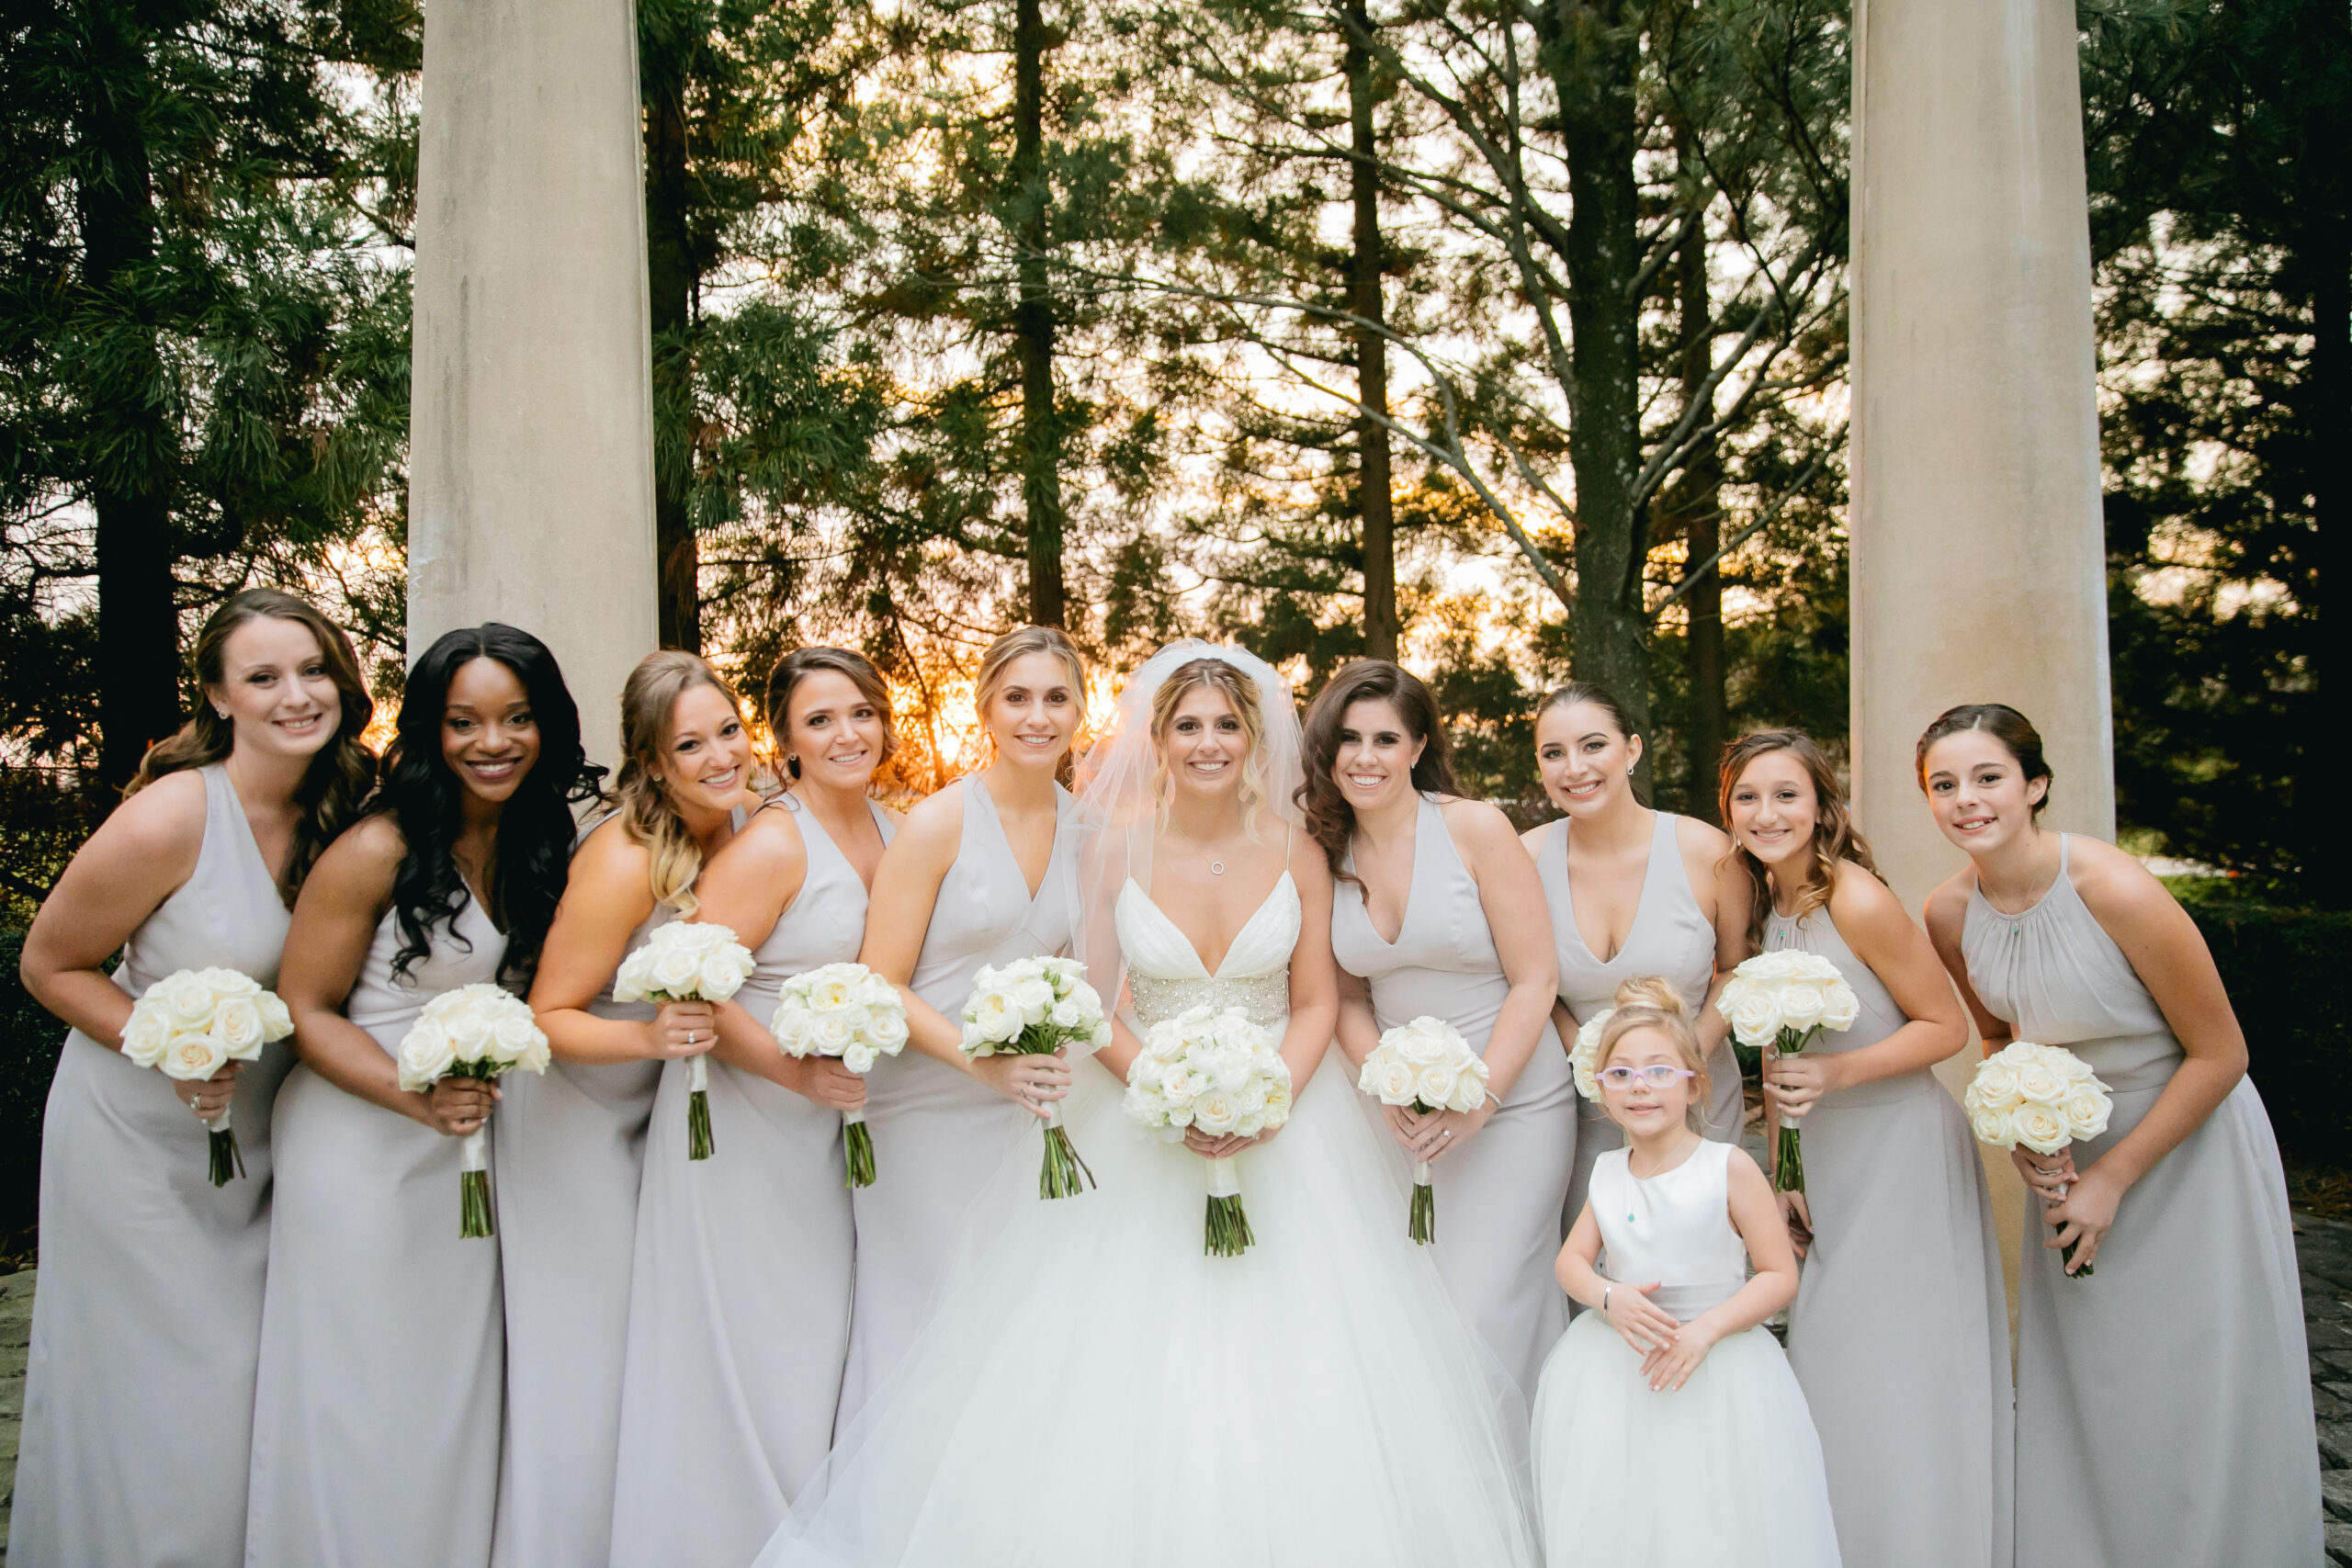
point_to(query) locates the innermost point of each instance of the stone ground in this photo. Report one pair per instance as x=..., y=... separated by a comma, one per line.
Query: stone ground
x=2324, y=1245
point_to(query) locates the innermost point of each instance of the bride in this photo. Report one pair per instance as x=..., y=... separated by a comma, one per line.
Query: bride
x=1090, y=1388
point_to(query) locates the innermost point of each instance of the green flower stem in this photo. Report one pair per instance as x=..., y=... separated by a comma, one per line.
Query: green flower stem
x=858, y=1151
x=1422, y=1219
x=1788, y=1163
x=1228, y=1228
x=473, y=1202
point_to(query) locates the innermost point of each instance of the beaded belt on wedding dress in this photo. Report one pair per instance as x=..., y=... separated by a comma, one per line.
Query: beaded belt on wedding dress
x=1264, y=998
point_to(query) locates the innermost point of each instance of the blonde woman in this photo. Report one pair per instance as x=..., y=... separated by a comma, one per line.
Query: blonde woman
x=981, y=874
x=570, y=1147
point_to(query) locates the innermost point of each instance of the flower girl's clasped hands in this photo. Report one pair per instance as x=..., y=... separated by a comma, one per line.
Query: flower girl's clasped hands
x=1704, y=1387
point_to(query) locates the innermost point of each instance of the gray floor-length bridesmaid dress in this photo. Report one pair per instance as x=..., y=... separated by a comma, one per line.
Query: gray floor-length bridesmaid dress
x=1900, y=1332
x=739, y=1316
x=382, y=1347
x=2164, y=1403
x=945, y=1132
x=566, y=1160
x=1670, y=939
x=139, y=1386
x=1499, y=1198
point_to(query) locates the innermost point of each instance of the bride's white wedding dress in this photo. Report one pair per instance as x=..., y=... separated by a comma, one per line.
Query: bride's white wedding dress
x=1093, y=1390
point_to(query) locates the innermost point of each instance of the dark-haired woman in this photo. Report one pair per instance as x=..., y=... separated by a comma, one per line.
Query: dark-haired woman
x=1900, y=1331
x=739, y=1317
x=2163, y=1400
x=570, y=1155
x=1436, y=913
x=376, y=1418
x=1631, y=893
x=139, y=1390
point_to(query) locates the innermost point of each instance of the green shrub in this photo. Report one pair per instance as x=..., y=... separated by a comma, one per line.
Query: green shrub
x=2289, y=977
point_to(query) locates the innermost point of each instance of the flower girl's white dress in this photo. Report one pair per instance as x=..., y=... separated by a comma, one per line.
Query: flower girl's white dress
x=1093, y=1390
x=1724, y=1470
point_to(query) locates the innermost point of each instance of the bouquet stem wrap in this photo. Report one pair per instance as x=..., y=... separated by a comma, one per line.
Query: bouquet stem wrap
x=1227, y=1233
x=699, y=1108
x=473, y=1186
x=1421, y=1226
x=227, y=1160
x=857, y=1150
x=1063, y=1175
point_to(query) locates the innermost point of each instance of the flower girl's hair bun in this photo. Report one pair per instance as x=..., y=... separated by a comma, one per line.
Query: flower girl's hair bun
x=1649, y=1002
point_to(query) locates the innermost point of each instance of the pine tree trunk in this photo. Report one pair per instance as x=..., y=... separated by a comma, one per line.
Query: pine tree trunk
x=1040, y=445
x=138, y=656
x=1699, y=496
x=669, y=290
x=1375, y=499
x=1592, y=54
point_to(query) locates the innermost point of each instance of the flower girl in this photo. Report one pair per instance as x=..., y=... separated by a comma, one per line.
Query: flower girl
x=1669, y=1432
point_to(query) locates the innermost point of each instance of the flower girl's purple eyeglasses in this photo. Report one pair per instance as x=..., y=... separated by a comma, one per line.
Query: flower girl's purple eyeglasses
x=1657, y=1075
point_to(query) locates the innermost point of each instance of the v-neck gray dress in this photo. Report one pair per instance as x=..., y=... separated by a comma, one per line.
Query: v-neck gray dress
x=1900, y=1332
x=1670, y=939
x=938, y=1132
x=383, y=1354
x=139, y=1386
x=567, y=1157
x=739, y=1314
x=2164, y=1403
x=1498, y=1196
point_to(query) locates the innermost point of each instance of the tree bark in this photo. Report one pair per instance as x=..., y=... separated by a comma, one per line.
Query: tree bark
x=138, y=656
x=1591, y=53
x=1040, y=441
x=670, y=282
x=1699, y=498
x=1376, y=494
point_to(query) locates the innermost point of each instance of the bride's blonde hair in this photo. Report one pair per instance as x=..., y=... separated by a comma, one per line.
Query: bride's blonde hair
x=1240, y=693
x=1649, y=1002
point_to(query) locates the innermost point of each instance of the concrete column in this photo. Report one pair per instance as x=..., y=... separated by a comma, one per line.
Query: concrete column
x=1979, y=565
x=531, y=440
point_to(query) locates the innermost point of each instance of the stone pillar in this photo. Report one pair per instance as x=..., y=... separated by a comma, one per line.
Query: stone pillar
x=1979, y=564
x=531, y=440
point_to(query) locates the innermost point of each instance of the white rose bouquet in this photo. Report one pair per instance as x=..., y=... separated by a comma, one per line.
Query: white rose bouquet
x=2041, y=1096
x=1427, y=1064
x=1035, y=1007
x=848, y=1013
x=1584, y=1056
x=193, y=1022
x=1783, y=1000
x=1221, y=1073
x=687, y=961
x=483, y=1032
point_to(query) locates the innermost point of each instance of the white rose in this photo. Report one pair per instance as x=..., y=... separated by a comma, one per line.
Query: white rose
x=1217, y=1112
x=1995, y=1084
x=1066, y=1014
x=1146, y=1072
x=1436, y=1084
x=1179, y=1084
x=1991, y=1125
x=2072, y=1067
x=2041, y=1083
x=1390, y=1078
x=673, y=973
x=1416, y=1045
x=1087, y=998
x=887, y=1033
x=187, y=999
x=2041, y=1128
x=424, y=1055
x=515, y=1038
x=236, y=1023
x=1035, y=996
x=994, y=1017
x=1253, y=1096
x=190, y=1056
x=1801, y=1007
x=471, y=1033
x=790, y=1026
x=145, y=1034
x=828, y=990
x=724, y=972
x=1840, y=1007
x=1755, y=1018
x=1278, y=1102
x=2086, y=1109
x=276, y=1022
x=860, y=1059
x=829, y=1034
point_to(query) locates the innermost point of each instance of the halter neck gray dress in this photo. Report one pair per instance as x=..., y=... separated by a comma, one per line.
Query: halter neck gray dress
x=1670, y=939
x=383, y=1349
x=566, y=1160
x=738, y=1313
x=1497, y=1198
x=2164, y=1403
x=1900, y=1331
x=939, y=1133
x=139, y=1386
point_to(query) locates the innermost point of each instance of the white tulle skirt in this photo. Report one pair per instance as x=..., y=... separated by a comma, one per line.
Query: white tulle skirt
x=1093, y=1390
x=1724, y=1470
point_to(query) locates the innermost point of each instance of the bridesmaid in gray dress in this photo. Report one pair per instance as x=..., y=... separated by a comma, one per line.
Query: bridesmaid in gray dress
x=382, y=1347
x=1648, y=888
x=139, y=1388
x=2164, y=1403
x=739, y=1317
x=983, y=872
x=1900, y=1332
x=570, y=1147
x=1468, y=943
